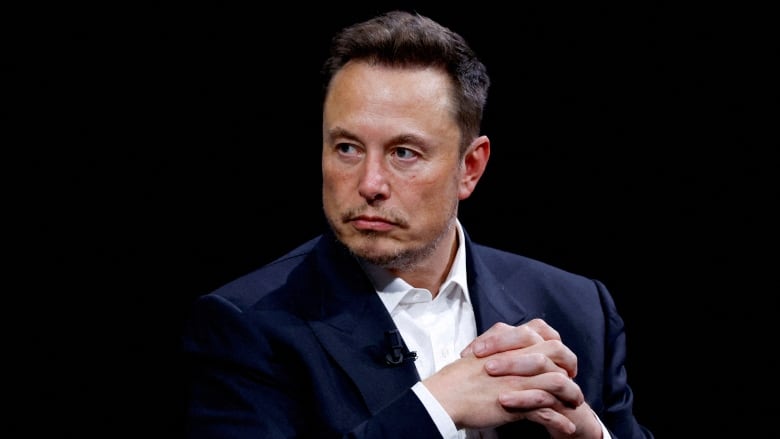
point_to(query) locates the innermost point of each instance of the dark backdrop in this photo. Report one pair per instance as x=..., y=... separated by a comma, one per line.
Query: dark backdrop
x=160, y=151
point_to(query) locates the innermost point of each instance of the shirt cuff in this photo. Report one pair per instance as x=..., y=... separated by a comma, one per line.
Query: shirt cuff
x=444, y=423
x=604, y=432
x=436, y=411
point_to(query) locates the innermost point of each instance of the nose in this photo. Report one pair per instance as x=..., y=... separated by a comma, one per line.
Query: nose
x=374, y=185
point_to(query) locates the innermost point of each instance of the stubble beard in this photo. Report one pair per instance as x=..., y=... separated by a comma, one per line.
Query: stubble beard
x=399, y=259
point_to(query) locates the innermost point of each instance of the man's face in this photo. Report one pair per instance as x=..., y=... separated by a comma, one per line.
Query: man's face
x=390, y=162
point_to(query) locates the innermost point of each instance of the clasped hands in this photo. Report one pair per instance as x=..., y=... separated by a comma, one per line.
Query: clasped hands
x=516, y=372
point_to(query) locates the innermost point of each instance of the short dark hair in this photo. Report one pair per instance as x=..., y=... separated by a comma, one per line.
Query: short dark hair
x=400, y=39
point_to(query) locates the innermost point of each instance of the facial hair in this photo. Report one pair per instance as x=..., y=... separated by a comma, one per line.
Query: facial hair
x=402, y=259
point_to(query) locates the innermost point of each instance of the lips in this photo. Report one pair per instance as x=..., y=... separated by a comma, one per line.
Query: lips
x=372, y=223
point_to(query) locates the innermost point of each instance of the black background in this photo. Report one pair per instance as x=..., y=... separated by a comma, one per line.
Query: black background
x=157, y=151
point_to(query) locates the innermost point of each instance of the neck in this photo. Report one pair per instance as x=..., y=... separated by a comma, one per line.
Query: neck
x=431, y=273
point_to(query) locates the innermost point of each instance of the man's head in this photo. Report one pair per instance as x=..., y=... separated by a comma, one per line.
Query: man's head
x=402, y=39
x=401, y=143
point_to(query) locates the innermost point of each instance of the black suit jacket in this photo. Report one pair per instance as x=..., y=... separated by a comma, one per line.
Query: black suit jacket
x=296, y=349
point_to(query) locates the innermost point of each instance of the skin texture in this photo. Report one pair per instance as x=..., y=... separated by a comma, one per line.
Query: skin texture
x=564, y=418
x=392, y=173
x=393, y=176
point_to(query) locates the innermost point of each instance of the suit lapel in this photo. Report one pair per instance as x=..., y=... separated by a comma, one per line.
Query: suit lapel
x=350, y=320
x=351, y=324
x=489, y=296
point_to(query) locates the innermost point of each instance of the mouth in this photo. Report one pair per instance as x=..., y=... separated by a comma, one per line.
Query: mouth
x=372, y=223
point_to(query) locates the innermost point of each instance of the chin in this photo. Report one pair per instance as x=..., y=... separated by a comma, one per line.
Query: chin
x=371, y=247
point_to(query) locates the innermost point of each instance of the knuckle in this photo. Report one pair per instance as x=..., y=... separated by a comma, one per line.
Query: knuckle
x=537, y=360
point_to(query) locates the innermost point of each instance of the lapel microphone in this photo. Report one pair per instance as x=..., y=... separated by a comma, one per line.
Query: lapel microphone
x=396, y=354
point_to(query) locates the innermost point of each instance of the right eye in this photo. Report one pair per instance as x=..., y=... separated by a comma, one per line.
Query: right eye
x=346, y=148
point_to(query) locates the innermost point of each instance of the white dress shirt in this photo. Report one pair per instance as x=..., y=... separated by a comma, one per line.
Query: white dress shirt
x=436, y=328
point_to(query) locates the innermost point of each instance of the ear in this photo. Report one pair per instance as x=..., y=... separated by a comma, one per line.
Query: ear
x=473, y=166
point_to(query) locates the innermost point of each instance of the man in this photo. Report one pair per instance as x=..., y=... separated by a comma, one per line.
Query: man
x=393, y=323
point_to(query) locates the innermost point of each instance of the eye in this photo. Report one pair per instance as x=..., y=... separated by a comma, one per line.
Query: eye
x=405, y=153
x=347, y=148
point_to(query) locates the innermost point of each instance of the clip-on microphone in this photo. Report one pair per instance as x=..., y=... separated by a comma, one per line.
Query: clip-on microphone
x=396, y=355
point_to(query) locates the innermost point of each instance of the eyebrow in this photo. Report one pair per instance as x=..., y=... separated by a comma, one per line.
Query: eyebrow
x=341, y=132
x=400, y=139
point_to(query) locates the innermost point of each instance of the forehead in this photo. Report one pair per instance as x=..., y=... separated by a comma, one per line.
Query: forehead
x=373, y=87
x=371, y=99
x=376, y=80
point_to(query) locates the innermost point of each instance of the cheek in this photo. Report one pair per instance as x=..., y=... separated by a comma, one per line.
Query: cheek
x=331, y=173
x=336, y=177
x=336, y=183
x=429, y=191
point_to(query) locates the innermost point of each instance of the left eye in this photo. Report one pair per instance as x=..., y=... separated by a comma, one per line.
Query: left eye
x=404, y=153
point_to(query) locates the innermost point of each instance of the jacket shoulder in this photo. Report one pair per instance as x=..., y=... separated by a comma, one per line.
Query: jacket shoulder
x=509, y=263
x=248, y=289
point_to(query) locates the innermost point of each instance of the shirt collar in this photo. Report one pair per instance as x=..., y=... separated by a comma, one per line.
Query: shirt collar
x=392, y=289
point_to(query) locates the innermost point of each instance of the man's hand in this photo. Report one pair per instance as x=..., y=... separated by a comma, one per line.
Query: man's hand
x=502, y=337
x=535, y=389
x=516, y=372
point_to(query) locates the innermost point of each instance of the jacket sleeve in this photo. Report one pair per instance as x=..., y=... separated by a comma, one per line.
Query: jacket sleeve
x=617, y=414
x=251, y=379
